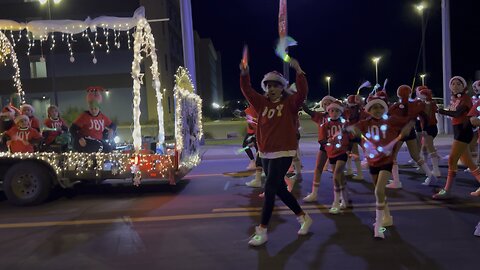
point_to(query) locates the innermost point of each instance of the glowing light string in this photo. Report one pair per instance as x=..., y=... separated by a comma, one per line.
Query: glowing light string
x=7, y=51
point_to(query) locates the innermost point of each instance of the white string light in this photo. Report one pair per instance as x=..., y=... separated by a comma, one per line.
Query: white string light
x=7, y=51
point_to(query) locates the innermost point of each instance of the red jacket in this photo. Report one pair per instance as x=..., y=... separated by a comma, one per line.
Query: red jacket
x=276, y=129
x=379, y=133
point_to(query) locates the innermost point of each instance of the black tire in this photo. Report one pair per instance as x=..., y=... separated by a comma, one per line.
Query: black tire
x=27, y=183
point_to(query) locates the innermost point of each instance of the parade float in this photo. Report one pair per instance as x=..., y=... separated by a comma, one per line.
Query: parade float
x=28, y=178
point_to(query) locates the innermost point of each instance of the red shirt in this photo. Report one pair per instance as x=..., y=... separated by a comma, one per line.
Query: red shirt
x=19, y=136
x=457, y=102
x=251, y=124
x=57, y=124
x=34, y=122
x=276, y=129
x=355, y=114
x=320, y=118
x=411, y=110
x=336, y=140
x=380, y=133
x=92, y=126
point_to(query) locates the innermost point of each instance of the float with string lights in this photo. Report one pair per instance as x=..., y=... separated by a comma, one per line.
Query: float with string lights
x=40, y=171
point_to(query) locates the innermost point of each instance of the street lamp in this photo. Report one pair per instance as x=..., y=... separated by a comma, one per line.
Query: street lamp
x=328, y=83
x=52, y=56
x=422, y=76
x=420, y=8
x=375, y=61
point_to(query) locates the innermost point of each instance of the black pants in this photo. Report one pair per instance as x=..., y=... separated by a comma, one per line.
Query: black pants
x=275, y=170
x=92, y=146
x=246, y=141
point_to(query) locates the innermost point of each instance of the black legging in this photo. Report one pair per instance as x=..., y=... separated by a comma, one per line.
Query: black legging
x=246, y=142
x=275, y=170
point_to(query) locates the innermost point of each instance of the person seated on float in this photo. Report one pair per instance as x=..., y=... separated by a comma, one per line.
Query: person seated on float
x=29, y=111
x=88, y=129
x=56, y=131
x=7, y=117
x=22, y=138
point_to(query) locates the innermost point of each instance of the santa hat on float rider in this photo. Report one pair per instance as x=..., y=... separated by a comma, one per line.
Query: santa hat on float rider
x=94, y=95
x=25, y=105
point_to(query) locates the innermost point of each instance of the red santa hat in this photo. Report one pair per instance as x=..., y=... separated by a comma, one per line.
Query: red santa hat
x=424, y=93
x=325, y=98
x=27, y=106
x=404, y=92
x=274, y=76
x=476, y=87
x=94, y=93
x=336, y=105
x=461, y=79
x=372, y=100
x=353, y=100
x=20, y=117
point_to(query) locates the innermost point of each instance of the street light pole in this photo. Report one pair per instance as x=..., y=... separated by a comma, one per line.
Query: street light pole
x=328, y=84
x=375, y=61
x=422, y=76
x=421, y=7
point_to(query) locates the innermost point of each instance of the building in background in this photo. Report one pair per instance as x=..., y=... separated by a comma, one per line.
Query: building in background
x=208, y=63
x=48, y=73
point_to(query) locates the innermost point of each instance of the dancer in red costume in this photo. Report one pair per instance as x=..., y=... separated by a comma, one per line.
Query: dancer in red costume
x=277, y=142
x=355, y=113
x=379, y=134
x=429, y=127
x=411, y=110
x=319, y=118
x=458, y=110
x=335, y=140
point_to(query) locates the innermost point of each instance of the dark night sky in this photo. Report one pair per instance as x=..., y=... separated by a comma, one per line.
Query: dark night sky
x=338, y=38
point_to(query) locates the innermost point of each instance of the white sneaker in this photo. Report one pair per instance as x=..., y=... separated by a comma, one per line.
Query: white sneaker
x=253, y=183
x=251, y=166
x=394, y=185
x=477, y=230
x=378, y=231
x=476, y=193
x=259, y=238
x=344, y=205
x=335, y=209
x=357, y=177
x=305, y=223
x=311, y=197
x=430, y=181
x=387, y=221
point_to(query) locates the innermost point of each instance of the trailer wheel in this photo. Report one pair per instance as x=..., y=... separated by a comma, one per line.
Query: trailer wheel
x=27, y=183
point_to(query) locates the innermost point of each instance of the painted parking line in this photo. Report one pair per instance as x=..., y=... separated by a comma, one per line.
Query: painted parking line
x=235, y=212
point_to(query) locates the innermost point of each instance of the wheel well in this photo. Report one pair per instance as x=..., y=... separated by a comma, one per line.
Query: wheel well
x=5, y=164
